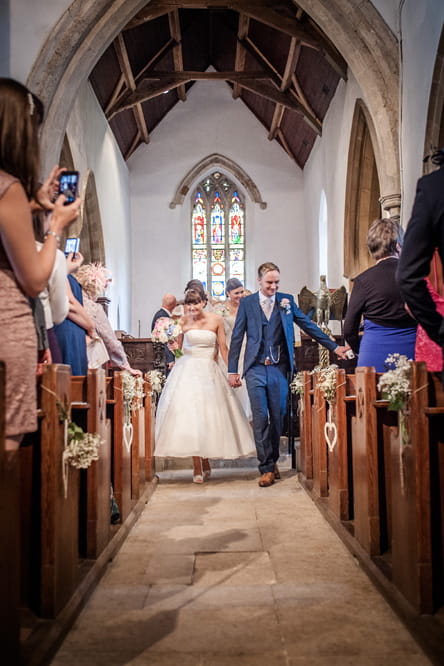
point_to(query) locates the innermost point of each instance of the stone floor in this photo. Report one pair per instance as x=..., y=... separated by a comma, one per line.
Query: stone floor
x=230, y=574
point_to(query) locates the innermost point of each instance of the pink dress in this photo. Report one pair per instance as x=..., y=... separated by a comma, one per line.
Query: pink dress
x=425, y=349
x=18, y=347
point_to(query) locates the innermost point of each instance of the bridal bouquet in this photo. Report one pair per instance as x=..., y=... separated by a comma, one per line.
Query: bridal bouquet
x=167, y=330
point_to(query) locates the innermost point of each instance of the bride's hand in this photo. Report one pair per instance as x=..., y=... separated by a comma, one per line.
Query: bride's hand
x=173, y=345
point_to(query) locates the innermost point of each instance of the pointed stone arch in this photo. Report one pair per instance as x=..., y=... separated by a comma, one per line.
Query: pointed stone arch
x=87, y=28
x=362, y=195
x=434, y=134
x=215, y=160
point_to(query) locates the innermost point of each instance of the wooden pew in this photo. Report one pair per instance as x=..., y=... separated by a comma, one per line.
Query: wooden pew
x=319, y=417
x=305, y=423
x=149, y=413
x=138, y=473
x=88, y=402
x=10, y=532
x=121, y=454
x=337, y=459
x=59, y=498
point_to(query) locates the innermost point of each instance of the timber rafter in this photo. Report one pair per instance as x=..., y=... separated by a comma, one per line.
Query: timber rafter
x=268, y=73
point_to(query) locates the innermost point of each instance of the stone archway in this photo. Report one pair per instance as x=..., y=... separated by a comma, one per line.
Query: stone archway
x=357, y=30
x=214, y=161
x=434, y=135
x=362, y=195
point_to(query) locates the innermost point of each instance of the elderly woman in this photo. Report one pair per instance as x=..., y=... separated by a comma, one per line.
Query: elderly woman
x=388, y=328
x=94, y=278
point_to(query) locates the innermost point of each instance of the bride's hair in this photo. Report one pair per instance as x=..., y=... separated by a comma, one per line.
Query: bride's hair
x=193, y=296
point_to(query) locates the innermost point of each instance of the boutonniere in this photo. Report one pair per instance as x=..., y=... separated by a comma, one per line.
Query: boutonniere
x=285, y=305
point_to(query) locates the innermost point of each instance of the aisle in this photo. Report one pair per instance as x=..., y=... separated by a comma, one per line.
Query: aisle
x=230, y=574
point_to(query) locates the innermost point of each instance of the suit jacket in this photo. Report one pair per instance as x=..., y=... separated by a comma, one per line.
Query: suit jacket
x=425, y=232
x=249, y=322
x=169, y=356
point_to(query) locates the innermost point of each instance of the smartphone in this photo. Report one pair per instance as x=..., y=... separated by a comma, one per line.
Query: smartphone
x=72, y=245
x=68, y=185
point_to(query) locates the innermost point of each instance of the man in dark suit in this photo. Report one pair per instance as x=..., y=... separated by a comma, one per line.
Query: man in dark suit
x=266, y=318
x=424, y=234
x=168, y=304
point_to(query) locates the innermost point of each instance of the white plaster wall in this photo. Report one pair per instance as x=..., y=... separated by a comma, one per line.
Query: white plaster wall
x=31, y=21
x=421, y=25
x=326, y=170
x=210, y=122
x=389, y=10
x=93, y=147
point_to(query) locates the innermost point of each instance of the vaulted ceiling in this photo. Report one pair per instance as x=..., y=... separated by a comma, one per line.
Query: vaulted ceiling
x=273, y=56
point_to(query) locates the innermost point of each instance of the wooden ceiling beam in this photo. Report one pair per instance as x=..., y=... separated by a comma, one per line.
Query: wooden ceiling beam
x=125, y=66
x=133, y=146
x=268, y=90
x=193, y=75
x=144, y=92
x=168, y=46
x=151, y=11
x=285, y=145
x=241, y=54
x=174, y=23
x=115, y=94
x=290, y=66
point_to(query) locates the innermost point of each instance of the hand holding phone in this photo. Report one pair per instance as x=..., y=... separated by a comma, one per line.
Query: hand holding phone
x=68, y=185
x=72, y=245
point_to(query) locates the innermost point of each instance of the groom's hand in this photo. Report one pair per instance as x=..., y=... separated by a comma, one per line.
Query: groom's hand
x=342, y=352
x=234, y=380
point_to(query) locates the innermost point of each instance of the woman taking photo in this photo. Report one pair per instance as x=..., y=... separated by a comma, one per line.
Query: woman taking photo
x=24, y=272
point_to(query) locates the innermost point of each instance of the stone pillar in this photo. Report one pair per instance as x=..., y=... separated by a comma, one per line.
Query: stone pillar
x=391, y=205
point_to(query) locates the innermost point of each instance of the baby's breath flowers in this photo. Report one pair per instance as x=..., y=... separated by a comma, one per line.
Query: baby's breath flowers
x=395, y=384
x=82, y=448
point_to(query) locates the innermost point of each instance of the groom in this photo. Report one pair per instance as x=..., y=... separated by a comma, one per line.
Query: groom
x=266, y=318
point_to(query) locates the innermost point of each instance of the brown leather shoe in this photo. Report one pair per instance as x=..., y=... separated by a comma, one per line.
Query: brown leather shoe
x=277, y=474
x=267, y=479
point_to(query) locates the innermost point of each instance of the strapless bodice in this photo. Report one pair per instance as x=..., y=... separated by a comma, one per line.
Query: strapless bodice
x=199, y=343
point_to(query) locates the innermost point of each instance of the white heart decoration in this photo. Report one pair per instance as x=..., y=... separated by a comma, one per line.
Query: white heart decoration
x=128, y=435
x=330, y=434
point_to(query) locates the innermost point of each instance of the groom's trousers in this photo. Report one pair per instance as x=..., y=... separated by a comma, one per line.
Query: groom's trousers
x=267, y=389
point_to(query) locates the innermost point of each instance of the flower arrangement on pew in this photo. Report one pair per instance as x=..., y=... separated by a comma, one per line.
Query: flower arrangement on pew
x=156, y=379
x=82, y=448
x=133, y=395
x=396, y=387
x=326, y=382
x=297, y=387
x=167, y=330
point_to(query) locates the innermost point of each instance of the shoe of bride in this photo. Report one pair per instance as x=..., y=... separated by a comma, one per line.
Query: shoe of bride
x=198, y=478
x=198, y=473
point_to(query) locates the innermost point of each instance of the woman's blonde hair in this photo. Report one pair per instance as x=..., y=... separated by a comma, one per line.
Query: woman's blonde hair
x=21, y=114
x=384, y=237
x=93, y=278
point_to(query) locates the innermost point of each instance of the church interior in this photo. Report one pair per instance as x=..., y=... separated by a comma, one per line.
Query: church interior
x=309, y=119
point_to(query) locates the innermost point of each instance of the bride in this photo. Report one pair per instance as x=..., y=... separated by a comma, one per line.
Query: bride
x=198, y=414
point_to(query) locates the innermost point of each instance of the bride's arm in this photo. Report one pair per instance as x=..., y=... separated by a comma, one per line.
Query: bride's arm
x=221, y=340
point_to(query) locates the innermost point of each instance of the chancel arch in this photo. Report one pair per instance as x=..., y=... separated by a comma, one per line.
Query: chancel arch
x=362, y=197
x=87, y=28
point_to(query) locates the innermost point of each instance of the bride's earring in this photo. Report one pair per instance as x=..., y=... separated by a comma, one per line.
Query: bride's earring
x=198, y=476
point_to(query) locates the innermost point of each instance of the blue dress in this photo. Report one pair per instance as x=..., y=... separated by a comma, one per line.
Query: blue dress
x=72, y=337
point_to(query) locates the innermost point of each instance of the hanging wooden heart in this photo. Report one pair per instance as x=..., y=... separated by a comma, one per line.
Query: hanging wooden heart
x=128, y=435
x=330, y=434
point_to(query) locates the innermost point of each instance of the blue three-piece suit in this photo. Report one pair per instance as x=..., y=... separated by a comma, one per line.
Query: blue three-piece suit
x=269, y=358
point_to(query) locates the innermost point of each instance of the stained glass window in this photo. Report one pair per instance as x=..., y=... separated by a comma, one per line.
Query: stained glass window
x=218, y=233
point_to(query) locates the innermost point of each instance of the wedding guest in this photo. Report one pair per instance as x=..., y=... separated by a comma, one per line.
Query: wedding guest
x=24, y=271
x=234, y=291
x=166, y=310
x=426, y=349
x=376, y=297
x=94, y=278
x=424, y=234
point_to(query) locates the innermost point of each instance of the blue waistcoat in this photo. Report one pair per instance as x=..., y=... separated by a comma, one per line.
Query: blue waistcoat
x=273, y=342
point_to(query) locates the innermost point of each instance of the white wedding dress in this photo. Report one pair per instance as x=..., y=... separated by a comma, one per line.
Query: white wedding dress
x=198, y=413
